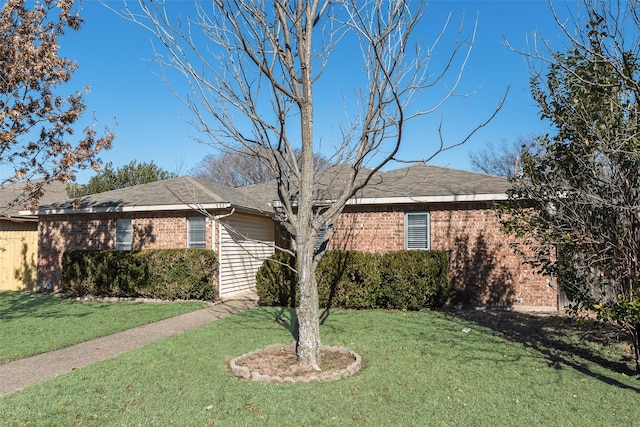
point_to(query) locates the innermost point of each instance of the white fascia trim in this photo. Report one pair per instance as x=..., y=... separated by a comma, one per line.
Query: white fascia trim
x=406, y=200
x=418, y=199
x=428, y=199
x=155, y=208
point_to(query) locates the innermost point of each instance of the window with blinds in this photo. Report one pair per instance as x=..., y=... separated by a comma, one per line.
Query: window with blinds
x=196, y=232
x=123, y=234
x=416, y=230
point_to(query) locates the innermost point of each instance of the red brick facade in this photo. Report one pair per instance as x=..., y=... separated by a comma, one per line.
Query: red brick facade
x=59, y=233
x=484, y=270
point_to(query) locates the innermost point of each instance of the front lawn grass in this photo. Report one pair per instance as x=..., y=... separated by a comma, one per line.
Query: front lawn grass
x=32, y=323
x=420, y=369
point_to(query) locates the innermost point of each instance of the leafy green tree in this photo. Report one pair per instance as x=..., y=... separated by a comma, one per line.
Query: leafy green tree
x=582, y=221
x=127, y=176
x=37, y=119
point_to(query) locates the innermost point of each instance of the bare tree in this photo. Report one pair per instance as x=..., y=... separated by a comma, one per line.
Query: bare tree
x=36, y=121
x=504, y=159
x=239, y=168
x=253, y=76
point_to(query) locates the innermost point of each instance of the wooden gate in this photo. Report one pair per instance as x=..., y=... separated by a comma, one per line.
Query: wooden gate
x=18, y=255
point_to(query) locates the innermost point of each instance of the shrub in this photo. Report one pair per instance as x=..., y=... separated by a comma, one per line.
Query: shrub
x=412, y=280
x=277, y=281
x=104, y=273
x=178, y=274
x=162, y=273
x=407, y=280
x=348, y=279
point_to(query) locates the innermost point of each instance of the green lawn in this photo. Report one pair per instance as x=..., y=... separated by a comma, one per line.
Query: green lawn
x=420, y=369
x=36, y=323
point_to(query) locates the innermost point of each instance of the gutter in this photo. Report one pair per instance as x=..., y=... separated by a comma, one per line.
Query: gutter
x=156, y=208
x=428, y=199
x=276, y=204
x=417, y=199
x=18, y=219
x=112, y=209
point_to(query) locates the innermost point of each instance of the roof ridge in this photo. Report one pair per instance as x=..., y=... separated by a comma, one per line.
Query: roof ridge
x=188, y=195
x=202, y=187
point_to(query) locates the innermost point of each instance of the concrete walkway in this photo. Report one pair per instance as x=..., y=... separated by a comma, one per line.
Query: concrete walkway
x=23, y=372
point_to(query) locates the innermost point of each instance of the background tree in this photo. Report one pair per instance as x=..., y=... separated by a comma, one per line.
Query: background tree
x=36, y=120
x=583, y=221
x=504, y=159
x=239, y=168
x=254, y=68
x=127, y=176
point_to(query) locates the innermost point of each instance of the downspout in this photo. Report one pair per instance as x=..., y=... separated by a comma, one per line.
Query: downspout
x=215, y=248
x=219, y=243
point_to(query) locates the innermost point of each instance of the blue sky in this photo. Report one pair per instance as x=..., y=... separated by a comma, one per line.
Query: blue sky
x=114, y=58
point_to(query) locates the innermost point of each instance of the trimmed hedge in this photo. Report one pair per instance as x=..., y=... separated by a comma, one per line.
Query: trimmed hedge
x=151, y=273
x=277, y=281
x=412, y=280
x=405, y=280
x=349, y=279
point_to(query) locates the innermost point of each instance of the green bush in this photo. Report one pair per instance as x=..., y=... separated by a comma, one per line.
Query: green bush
x=178, y=274
x=407, y=280
x=104, y=273
x=348, y=279
x=412, y=280
x=161, y=273
x=277, y=281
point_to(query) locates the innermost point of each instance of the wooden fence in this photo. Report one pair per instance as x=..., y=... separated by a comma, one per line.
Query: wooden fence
x=18, y=255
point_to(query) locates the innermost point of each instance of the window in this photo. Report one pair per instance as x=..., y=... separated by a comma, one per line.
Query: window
x=416, y=230
x=196, y=232
x=123, y=234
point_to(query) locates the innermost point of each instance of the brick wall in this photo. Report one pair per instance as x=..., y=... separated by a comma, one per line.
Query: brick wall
x=484, y=269
x=59, y=233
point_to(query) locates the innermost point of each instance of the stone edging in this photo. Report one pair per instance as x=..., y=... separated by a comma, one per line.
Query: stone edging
x=245, y=373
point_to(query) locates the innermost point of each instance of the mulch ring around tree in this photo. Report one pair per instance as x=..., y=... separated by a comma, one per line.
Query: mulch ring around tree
x=278, y=364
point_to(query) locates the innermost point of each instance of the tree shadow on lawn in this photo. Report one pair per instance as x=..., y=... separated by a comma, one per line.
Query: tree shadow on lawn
x=24, y=304
x=282, y=317
x=548, y=335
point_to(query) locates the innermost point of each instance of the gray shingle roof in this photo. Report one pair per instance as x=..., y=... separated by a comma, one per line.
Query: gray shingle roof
x=415, y=182
x=176, y=192
x=433, y=181
x=53, y=192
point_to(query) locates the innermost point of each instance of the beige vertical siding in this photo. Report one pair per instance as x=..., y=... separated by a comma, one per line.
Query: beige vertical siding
x=18, y=253
x=245, y=242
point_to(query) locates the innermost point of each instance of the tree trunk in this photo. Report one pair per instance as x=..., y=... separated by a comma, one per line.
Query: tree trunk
x=308, y=313
x=635, y=344
x=308, y=345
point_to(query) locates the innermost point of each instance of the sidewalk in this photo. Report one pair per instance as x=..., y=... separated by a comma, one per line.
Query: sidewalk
x=23, y=372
